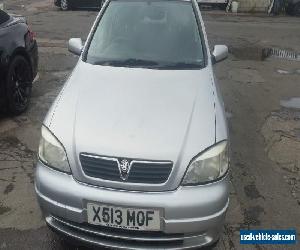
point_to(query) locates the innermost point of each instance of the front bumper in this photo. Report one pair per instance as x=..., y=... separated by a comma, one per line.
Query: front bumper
x=34, y=58
x=192, y=216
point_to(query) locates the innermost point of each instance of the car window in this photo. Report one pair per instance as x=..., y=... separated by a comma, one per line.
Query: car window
x=147, y=33
x=4, y=17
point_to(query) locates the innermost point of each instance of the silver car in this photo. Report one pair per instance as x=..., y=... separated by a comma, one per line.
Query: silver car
x=134, y=150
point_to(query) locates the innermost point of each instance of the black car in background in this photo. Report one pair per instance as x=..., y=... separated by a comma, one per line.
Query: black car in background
x=293, y=7
x=71, y=4
x=18, y=62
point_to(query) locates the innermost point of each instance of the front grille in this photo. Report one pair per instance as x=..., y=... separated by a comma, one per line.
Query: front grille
x=149, y=173
x=105, y=168
x=100, y=168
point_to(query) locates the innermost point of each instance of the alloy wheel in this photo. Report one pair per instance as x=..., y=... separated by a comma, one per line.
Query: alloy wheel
x=19, y=84
x=297, y=9
x=64, y=5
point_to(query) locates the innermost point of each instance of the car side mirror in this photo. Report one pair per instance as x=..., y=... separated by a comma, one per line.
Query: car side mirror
x=220, y=53
x=75, y=46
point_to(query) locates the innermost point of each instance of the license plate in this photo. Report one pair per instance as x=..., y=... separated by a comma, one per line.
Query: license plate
x=122, y=217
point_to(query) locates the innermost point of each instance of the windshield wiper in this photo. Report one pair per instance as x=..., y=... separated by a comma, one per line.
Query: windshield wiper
x=127, y=62
x=181, y=65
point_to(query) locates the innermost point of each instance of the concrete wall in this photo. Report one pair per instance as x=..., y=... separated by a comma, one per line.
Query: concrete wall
x=253, y=5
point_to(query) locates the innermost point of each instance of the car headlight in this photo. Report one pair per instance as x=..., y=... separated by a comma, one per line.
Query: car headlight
x=52, y=153
x=208, y=166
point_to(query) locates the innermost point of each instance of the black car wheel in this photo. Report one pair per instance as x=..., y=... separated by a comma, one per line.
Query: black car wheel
x=296, y=10
x=18, y=85
x=64, y=5
x=222, y=6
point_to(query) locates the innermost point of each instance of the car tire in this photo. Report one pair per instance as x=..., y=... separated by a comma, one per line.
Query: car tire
x=18, y=85
x=64, y=5
x=296, y=10
x=222, y=6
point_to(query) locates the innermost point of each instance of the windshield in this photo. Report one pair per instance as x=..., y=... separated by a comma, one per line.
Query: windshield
x=152, y=34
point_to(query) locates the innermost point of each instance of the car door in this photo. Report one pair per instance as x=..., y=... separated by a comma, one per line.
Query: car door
x=3, y=51
x=4, y=17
